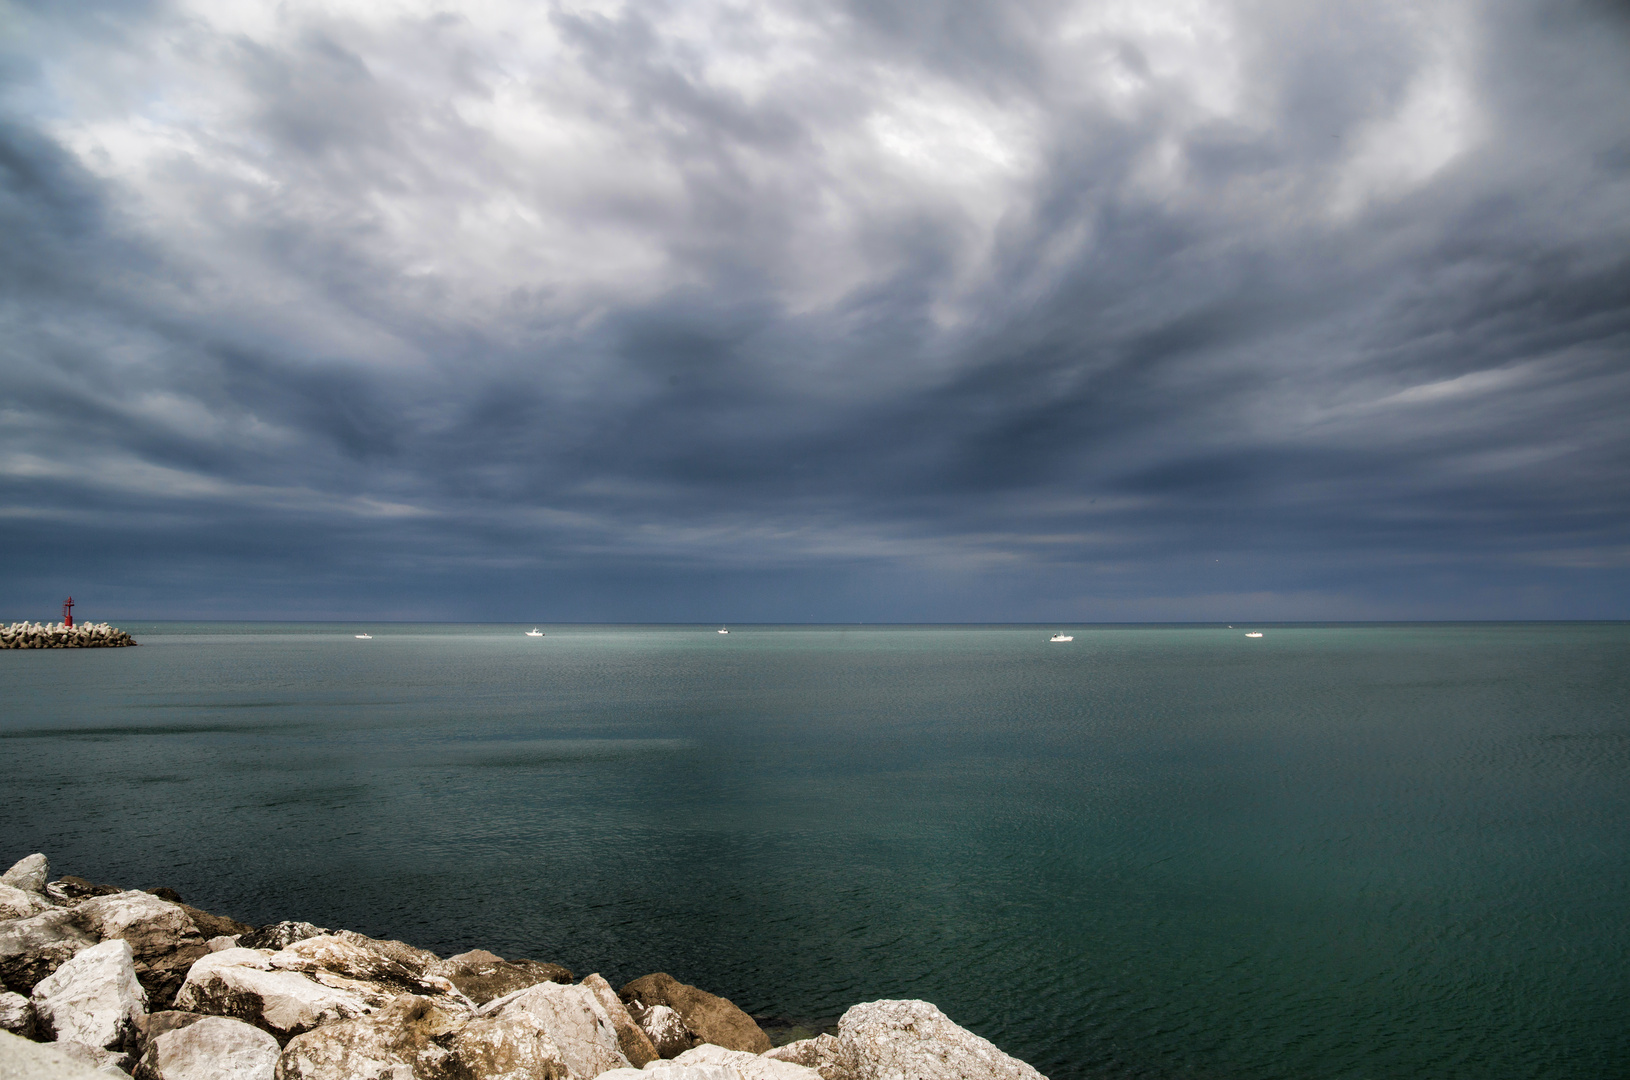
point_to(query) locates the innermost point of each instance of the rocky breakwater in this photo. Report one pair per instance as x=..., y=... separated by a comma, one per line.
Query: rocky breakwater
x=25, y=635
x=129, y=982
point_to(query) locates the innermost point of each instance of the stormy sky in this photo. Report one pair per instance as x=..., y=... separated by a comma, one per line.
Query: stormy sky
x=792, y=311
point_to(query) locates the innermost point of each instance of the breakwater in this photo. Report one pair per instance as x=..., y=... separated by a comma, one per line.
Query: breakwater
x=133, y=981
x=26, y=635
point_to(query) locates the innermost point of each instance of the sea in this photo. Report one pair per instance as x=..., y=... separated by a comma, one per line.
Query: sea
x=1332, y=851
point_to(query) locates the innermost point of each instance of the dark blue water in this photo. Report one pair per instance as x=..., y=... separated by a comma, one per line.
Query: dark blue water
x=1336, y=851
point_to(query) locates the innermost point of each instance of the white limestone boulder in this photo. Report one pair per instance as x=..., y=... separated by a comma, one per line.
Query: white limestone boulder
x=891, y=1040
x=666, y=1029
x=19, y=903
x=16, y=1015
x=162, y=936
x=396, y=1042
x=213, y=1048
x=93, y=999
x=28, y=874
x=242, y=983
x=32, y=948
x=823, y=1053
x=21, y=1059
x=514, y=1047
x=744, y=1065
x=574, y=1018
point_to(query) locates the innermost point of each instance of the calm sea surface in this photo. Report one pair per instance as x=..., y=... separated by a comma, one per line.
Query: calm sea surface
x=1335, y=851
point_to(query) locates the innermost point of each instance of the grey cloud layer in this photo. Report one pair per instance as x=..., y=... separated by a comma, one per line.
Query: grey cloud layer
x=890, y=311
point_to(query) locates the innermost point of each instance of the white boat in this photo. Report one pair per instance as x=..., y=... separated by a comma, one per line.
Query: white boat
x=722, y=630
x=365, y=637
x=1254, y=633
x=1061, y=636
x=534, y=632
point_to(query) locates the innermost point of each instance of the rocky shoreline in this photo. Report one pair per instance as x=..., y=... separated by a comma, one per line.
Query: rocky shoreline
x=125, y=982
x=25, y=635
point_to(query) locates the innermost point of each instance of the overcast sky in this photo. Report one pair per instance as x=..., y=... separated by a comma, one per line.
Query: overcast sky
x=891, y=311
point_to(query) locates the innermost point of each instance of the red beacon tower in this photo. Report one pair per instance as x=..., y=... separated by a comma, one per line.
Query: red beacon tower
x=68, y=613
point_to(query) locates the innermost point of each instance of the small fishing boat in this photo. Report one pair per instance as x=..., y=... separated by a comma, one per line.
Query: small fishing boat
x=534, y=632
x=722, y=630
x=1062, y=636
x=365, y=637
x=1254, y=633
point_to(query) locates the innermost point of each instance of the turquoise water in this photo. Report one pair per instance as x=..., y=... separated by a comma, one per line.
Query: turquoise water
x=1336, y=851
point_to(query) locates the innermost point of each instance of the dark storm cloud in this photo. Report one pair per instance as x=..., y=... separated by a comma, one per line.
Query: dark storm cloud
x=960, y=311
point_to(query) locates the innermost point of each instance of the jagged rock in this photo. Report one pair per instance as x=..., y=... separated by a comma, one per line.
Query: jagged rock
x=21, y=1059
x=94, y=998
x=631, y=1040
x=714, y=1019
x=279, y=935
x=417, y=960
x=314, y=981
x=383, y=1046
x=212, y=1048
x=16, y=1015
x=745, y=1066
x=101, y=1061
x=155, y=1024
x=28, y=874
x=242, y=983
x=216, y=944
x=32, y=948
x=887, y=1040
x=574, y=1018
x=498, y=1048
x=164, y=892
x=162, y=936
x=20, y=903
x=333, y=955
x=71, y=890
x=482, y=976
x=213, y=926
x=823, y=1053
x=667, y=1031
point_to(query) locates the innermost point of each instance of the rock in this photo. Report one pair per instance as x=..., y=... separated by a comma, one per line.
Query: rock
x=94, y=998
x=279, y=935
x=28, y=874
x=745, y=1066
x=668, y=1034
x=213, y=926
x=514, y=1047
x=823, y=1053
x=212, y=1048
x=20, y=903
x=216, y=944
x=482, y=976
x=16, y=1015
x=24, y=1060
x=242, y=983
x=574, y=1018
x=162, y=936
x=334, y=955
x=887, y=1040
x=714, y=1019
x=70, y=890
x=316, y=980
x=155, y=1024
x=419, y=961
x=101, y=1061
x=32, y=948
x=164, y=892
x=384, y=1045
x=631, y=1040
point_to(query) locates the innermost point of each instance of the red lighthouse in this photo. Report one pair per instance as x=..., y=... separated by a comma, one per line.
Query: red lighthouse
x=68, y=613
